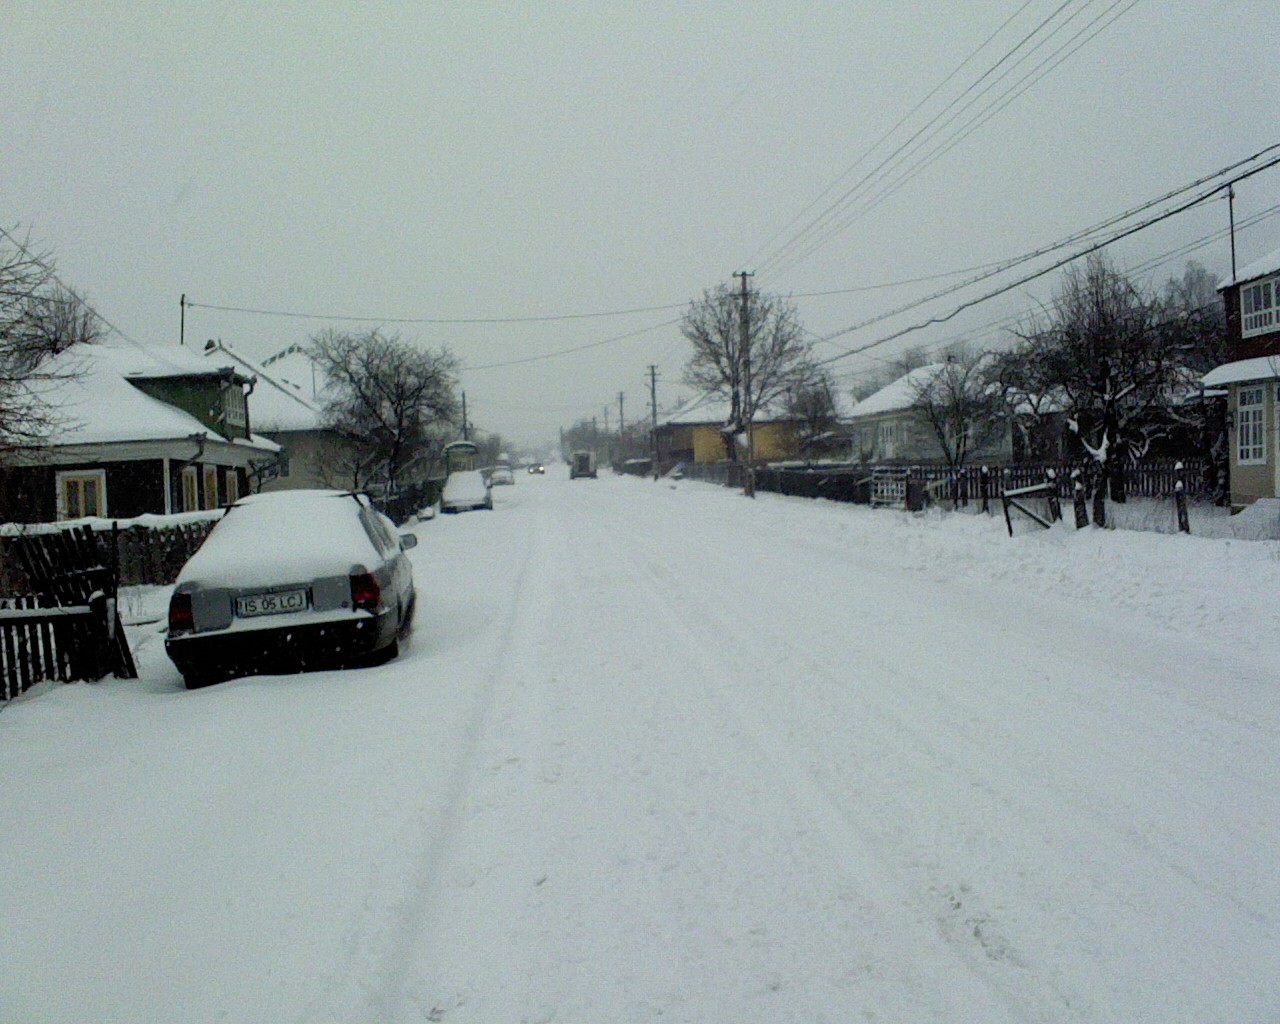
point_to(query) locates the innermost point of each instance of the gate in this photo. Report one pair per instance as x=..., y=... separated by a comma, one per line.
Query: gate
x=68, y=628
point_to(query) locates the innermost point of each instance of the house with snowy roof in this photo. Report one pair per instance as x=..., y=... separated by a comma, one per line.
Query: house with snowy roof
x=694, y=432
x=889, y=426
x=1251, y=379
x=287, y=410
x=135, y=430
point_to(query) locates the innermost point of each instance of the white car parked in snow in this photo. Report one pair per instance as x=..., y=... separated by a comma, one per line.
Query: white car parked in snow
x=289, y=581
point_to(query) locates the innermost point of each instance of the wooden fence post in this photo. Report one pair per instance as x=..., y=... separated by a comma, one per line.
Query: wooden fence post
x=1055, y=506
x=1180, y=500
x=1077, y=498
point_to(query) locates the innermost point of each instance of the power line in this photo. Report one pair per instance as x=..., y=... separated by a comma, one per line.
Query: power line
x=444, y=321
x=53, y=274
x=576, y=348
x=977, y=121
x=880, y=141
x=982, y=330
x=1080, y=236
x=1040, y=273
x=823, y=220
x=889, y=184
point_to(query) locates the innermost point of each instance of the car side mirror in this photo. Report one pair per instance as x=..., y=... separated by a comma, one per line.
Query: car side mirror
x=407, y=541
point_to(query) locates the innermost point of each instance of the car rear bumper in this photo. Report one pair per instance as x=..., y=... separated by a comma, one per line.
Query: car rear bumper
x=296, y=648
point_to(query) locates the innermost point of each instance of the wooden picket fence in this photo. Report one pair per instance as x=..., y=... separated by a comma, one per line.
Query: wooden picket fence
x=62, y=644
x=67, y=626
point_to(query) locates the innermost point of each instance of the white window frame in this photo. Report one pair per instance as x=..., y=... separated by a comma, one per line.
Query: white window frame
x=887, y=438
x=234, y=407
x=190, y=489
x=1260, y=307
x=210, y=487
x=80, y=476
x=1251, y=438
x=233, y=486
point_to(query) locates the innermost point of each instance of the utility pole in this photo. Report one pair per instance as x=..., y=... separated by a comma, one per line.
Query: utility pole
x=653, y=412
x=182, y=304
x=1231, y=213
x=747, y=407
x=621, y=420
x=466, y=431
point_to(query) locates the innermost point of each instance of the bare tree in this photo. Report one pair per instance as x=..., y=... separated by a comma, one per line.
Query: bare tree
x=1028, y=401
x=961, y=408
x=1101, y=344
x=813, y=406
x=751, y=368
x=389, y=399
x=40, y=318
x=1193, y=322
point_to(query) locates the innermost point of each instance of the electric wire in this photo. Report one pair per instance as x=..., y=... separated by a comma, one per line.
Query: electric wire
x=981, y=118
x=1092, y=232
x=1126, y=232
x=820, y=222
x=441, y=321
x=838, y=221
x=880, y=141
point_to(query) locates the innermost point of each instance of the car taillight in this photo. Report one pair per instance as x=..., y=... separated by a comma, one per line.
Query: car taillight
x=181, y=619
x=366, y=595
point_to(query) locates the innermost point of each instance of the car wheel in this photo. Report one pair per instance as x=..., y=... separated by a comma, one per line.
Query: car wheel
x=406, y=622
x=198, y=679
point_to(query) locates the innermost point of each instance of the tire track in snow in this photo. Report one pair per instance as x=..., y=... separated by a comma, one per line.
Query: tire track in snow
x=844, y=830
x=380, y=954
x=973, y=928
x=1116, y=828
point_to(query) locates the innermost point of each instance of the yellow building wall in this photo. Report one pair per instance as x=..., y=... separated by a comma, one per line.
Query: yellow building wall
x=772, y=441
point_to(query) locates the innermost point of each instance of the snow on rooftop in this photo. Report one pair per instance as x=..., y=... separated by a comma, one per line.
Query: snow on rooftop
x=899, y=395
x=1258, y=268
x=710, y=409
x=275, y=404
x=1260, y=368
x=93, y=401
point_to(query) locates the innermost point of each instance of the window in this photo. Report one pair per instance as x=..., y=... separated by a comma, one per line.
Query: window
x=234, y=410
x=887, y=437
x=1259, y=306
x=233, y=486
x=210, y=487
x=1250, y=448
x=82, y=494
x=190, y=491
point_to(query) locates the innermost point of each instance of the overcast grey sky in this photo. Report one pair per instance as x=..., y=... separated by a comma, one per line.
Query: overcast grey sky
x=477, y=160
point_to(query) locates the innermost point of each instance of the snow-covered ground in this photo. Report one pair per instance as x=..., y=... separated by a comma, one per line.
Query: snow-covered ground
x=656, y=751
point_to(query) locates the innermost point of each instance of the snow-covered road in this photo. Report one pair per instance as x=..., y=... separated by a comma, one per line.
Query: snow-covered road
x=659, y=752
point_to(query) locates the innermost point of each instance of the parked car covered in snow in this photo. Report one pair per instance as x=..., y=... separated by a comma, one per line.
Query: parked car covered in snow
x=466, y=489
x=289, y=581
x=501, y=475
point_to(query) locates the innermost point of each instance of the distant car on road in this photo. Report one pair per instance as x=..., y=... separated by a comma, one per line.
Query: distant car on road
x=466, y=489
x=582, y=464
x=289, y=581
x=502, y=475
x=538, y=467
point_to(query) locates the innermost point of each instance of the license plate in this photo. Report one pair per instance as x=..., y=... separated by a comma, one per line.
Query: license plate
x=271, y=604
